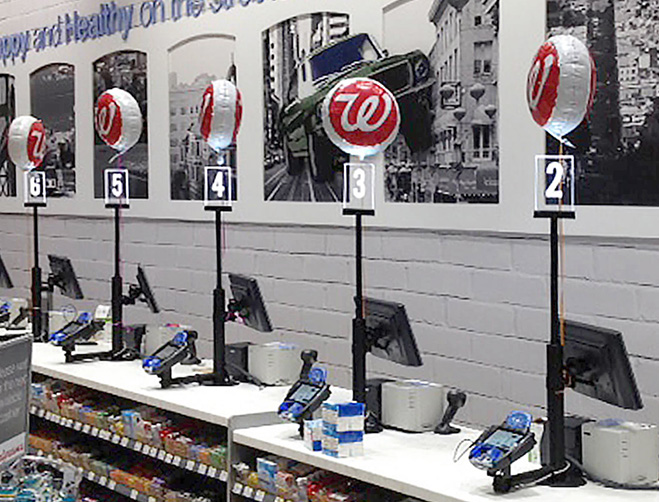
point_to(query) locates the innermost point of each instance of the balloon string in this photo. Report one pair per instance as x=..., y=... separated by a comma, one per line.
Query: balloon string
x=561, y=233
x=120, y=165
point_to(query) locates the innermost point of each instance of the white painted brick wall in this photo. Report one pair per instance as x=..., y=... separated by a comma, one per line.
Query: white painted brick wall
x=477, y=304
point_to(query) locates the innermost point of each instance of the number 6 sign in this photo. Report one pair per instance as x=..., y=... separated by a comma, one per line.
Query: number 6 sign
x=35, y=188
x=359, y=187
x=554, y=183
x=116, y=188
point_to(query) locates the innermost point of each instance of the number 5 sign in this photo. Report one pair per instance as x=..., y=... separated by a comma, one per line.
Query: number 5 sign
x=554, y=183
x=218, y=187
x=359, y=187
x=116, y=188
x=35, y=188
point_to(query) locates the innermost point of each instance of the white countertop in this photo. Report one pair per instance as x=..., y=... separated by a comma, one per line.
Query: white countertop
x=127, y=379
x=421, y=466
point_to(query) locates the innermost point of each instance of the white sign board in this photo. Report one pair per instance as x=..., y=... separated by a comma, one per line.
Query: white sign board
x=35, y=188
x=359, y=187
x=117, y=188
x=554, y=183
x=218, y=186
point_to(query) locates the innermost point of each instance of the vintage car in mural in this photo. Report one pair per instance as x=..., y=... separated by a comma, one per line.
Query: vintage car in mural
x=408, y=76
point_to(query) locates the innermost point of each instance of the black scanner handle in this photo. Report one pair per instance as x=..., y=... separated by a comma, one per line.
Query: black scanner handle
x=309, y=358
x=456, y=400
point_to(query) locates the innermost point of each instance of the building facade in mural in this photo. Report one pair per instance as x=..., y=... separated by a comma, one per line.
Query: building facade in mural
x=52, y=99
x=189, y=154
x=7, y=115
x=128, y=71
x=287, y=47
x=189, y=77
x=462, y=163
x=616, y=148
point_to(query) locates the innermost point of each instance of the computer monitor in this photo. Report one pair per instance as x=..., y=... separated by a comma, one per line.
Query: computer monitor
x=146, y=292
x=598, y=366
x=247, y=304
x=5, y=280
x=388, y=332
x=63, y=276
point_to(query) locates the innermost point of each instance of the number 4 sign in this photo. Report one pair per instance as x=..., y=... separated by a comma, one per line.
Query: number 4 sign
x=35, y=188
x=116, y=188
x=359, y=187
x=554, y=183
x=218, y=187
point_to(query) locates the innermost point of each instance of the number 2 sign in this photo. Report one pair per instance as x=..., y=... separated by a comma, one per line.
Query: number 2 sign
x=116, y=188
x=359, y=187
x=218, y=187
x=554, y=183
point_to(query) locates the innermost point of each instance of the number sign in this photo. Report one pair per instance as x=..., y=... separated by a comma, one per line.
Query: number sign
x=218, y=187
x=116, y=188
x=554, y=183
x=35, y=188
x=359, y=187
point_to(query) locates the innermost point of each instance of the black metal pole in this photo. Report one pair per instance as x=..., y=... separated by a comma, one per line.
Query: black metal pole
x=117, y=288
x=358, y=324
x=37, y=316
x=555, y=383
x=219, y=314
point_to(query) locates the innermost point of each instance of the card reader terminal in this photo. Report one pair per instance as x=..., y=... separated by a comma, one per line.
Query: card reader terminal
x=180, y=349
x=501, y=445
x=79, y=330
x=5, y=312
x=305, y=396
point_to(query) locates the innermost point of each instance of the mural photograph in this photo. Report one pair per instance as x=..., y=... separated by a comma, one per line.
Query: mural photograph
x=445, y=79
x=126, y=70
x=7, y=115
x=189, y=76
x=52, y=100
x=617, y=148
x=303, y=58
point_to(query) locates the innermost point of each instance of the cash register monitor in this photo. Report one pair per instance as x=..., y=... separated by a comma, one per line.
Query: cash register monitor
x=63, y=276
x=598, y=366
x=147, y=292
x=247, y=304
x=388, y=332
x=5, y=280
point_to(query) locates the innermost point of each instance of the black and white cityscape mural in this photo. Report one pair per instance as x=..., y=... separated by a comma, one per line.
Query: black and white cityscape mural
x=7, y=115
x=128, y=71
x=189, y=76
x=52, y=100
x=438, y=57
x=617, y=148
x=448, y=148
x=303, y=58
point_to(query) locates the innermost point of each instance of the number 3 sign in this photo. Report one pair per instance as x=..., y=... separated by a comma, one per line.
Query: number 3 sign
x=554, y=183
x=359, y=187
x=218, y=187
x=116, y=188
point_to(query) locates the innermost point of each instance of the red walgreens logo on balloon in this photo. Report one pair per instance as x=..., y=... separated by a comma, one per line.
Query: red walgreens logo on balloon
x=542, y=86
x=207, y=104
x=108, y=119
x=36, y=143
x=228, y=104
x=363, y=113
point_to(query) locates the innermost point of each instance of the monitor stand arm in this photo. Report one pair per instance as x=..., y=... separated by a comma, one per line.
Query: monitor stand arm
x=134, y=294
